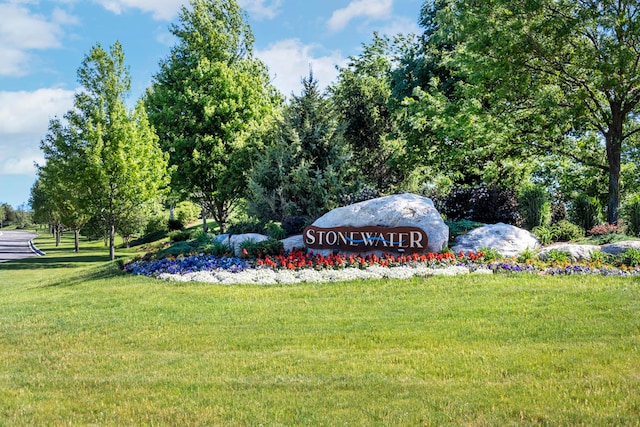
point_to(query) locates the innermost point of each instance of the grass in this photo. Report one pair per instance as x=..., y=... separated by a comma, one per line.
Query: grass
x=80, y=344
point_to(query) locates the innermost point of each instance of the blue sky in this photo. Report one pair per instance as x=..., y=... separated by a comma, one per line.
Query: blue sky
x=43, y=42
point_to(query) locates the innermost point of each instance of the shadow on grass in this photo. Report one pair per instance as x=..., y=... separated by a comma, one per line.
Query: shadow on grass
x=99, y=272
x=49, y=261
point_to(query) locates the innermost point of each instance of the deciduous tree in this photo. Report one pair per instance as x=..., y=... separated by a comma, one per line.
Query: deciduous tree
x=207, y=102
x=115, y=153
x=551, y=73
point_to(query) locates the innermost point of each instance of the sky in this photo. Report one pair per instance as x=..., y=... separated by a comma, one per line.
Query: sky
x=43, y=43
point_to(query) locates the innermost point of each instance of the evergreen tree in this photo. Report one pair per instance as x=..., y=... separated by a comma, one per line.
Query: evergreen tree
x=363, y=97
x=307, y=169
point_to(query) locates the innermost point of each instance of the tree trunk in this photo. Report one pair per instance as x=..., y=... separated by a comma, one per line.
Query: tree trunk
x=76, y=240
x=221, y=215
x=112, y=240
x=205, y=227
x=613, y=140
x=172, y=209
x=58, y=233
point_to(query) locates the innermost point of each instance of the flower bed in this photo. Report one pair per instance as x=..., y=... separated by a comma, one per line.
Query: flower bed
x=299, y=266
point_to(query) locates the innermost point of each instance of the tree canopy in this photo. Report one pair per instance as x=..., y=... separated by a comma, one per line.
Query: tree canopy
x=547, y=75
x=208, y=101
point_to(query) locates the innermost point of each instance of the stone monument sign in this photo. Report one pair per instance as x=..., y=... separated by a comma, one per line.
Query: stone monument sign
x=367, y=238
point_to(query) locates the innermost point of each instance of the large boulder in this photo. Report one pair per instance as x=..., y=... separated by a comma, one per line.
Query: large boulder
x=401, y=210
x=508, y=240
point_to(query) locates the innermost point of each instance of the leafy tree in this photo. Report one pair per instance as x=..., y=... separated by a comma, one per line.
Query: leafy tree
x=23, y=216
x=9, y=213
x=44, y=209
x=363, y=96
x=306, y=170
x=207, y=102
x=551, y=74
x=3, y=213
x=124, y=167
x=444, y=116
x=60, y=194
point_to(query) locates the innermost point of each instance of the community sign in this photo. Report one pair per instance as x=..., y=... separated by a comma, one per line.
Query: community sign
x=365, y=239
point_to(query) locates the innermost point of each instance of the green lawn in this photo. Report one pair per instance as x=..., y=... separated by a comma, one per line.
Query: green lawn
x=82, y=344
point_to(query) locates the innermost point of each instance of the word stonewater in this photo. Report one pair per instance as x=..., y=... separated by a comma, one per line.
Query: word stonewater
x=395, y=239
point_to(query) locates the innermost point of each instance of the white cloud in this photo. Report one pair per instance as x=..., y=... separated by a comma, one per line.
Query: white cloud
x=374, y=9
x=21, y=166
x=166, y=10
x=400, y=25
x=289, y=61
x=161, y=10
x=63, y=18
x=259, y=10
x=21, y=31
x=24, y=119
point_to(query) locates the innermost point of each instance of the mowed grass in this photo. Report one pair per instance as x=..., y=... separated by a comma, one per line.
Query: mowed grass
x=80, y=344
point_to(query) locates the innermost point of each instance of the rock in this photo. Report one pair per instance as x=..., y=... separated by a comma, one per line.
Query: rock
x=400, y=210
x=235, y=240
x=576, y=252
x=620, y=247
x=293, y=242
x=508, y=240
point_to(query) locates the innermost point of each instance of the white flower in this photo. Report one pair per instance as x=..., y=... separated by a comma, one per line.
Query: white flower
x=268, y=276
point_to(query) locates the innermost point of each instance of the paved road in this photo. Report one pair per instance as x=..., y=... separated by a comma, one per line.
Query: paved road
x=15, y=245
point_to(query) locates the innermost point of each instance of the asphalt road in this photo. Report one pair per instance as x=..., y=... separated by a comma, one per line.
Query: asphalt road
x=15, y=245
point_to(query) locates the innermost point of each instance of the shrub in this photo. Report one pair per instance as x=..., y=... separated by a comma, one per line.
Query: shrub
x=201, y=237
x=178, y=249
x=534, y=205
x=457, y=228
x=545, y=235
x=607, y=238
x=294, y=225
x=631, y=213
x=218, y=249
x=585, y=211
x=156, y=223
x=148, y=238
x=483, y=203
x=269, y=247
x=631, y=257
x=175, y=225
x=601, y=257
x=179, y=236
x=274, y=230
x=565, y=231
x=554, y=255
x=187, y=212
x=247, y=225
x=602, y=229
x=490, y=254
x=365, y=193
x=527, y=255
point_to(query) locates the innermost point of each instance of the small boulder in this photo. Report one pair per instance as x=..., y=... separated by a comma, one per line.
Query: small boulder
x=621, y=247
x=508, y=240
x=576, y=252
x=293, y=242
x=234, y=241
